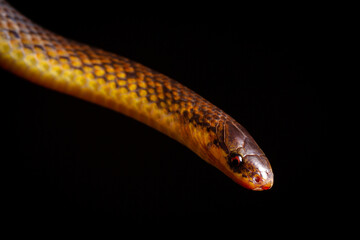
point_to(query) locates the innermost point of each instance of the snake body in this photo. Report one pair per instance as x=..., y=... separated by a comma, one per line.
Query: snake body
x=130, y=88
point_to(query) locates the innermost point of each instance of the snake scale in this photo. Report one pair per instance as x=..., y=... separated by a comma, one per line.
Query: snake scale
x=130, y=88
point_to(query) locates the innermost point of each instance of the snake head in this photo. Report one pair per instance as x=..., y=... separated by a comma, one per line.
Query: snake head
x=244, y=161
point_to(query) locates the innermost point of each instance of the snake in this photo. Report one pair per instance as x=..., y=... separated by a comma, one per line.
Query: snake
x=128, y=87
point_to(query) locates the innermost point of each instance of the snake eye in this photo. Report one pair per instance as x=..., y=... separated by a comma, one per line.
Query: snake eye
x=236, y=160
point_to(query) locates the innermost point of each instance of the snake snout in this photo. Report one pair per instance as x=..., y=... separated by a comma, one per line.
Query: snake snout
x=263, y=177
x=268, y=179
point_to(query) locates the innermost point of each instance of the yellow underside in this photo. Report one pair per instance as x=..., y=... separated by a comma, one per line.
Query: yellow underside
x=37, y=68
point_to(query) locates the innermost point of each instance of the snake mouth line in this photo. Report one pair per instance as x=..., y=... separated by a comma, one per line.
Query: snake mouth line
x=264, y=187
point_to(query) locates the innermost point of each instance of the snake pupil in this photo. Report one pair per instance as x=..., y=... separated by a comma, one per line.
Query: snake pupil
x=235, y=161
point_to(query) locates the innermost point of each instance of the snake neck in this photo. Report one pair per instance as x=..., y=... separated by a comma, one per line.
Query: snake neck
x=107, y=79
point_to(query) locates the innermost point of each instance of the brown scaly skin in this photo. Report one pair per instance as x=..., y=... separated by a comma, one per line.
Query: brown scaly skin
x=128, y=87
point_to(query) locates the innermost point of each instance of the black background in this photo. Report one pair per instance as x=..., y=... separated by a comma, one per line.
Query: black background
x=76, y=160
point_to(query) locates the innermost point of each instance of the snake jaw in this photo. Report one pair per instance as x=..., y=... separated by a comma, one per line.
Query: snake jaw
x=258, y=183
x=256, y=173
